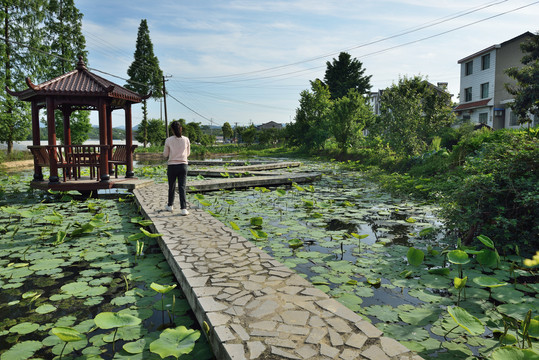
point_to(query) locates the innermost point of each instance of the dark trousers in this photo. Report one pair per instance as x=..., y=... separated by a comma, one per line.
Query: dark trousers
x=178, y=172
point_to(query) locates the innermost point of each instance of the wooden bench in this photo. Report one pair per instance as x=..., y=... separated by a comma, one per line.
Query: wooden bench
x=119, y=157
x=42, y=158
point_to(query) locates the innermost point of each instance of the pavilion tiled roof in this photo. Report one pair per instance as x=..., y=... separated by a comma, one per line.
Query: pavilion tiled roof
x=79, y=82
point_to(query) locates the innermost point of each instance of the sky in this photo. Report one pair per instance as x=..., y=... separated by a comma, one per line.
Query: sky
x=247, y=61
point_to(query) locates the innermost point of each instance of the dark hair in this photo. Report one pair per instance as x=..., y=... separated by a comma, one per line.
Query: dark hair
x=176, y=128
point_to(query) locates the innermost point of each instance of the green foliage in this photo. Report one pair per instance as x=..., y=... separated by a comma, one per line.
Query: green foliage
x=412, y=113
x=156, y=132
x=345, y=74
x=496, y=191
x=145, y=76
x=311, y=128
x=349, y=116
x=228, y=133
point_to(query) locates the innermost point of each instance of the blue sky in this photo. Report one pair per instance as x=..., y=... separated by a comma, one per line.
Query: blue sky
x=243, y=61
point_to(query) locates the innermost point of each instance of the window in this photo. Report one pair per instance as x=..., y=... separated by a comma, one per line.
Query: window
x=468, y=68
x=468, y=94
x=484, y=90
x=483, y=118
x=513, y=119
x=485, y=62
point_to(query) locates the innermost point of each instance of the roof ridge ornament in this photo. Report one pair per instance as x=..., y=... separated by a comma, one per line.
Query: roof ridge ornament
x=81, y=65
x=32, y=85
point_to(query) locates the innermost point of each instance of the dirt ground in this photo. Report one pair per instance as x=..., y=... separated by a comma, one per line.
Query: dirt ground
x=17, y=165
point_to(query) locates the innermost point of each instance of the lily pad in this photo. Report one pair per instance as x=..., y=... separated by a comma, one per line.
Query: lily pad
x=135, y=347
x=420, y=316
x=175, y=342
x=110, y=320
x=465, y=320
x=24, y=328
x=45, y=309
x=513, y=353
x=351, y=301
x=487, y=281
x=22, y=351
x=68, y=334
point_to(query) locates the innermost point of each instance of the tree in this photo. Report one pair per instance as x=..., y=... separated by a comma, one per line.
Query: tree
x=311, y=127
x=21, y=34
x=344, y=74
x=63, y=26
x=526, y=91
x=156, y=132
x=145, y=75
x=349, y=116
x=412, y=113
x=227, y=131
x=248, y=135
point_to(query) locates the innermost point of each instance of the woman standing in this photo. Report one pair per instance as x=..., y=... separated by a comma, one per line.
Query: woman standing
x=177, y=149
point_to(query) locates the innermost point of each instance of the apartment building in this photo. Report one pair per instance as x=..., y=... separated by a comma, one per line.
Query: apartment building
x=483, y=97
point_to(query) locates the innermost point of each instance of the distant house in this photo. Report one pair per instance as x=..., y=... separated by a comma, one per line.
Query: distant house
x=270, y=125
x=483, y=97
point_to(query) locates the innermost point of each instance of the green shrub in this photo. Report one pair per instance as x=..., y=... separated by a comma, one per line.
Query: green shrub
x=496, y=193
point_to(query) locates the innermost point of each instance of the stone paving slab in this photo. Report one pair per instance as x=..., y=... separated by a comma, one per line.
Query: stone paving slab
x=256, y=307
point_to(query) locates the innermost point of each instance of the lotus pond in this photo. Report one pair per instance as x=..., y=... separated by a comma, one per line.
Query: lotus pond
x=386, y=258
x=389, y=260
x=85, y=279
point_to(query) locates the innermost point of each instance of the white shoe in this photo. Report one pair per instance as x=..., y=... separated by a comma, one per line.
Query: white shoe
x=184, y=212
x=169, y=208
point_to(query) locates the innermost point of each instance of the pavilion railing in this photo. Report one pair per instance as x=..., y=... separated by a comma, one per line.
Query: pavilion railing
x=70, y=159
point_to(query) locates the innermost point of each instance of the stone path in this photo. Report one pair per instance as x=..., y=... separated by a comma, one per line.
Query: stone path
x=255, y=307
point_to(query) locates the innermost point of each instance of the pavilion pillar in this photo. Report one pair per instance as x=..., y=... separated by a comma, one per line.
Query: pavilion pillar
x=36, y=138
x=128, y=142
x=109, y=134
x=66, y=111
x=51, y=131
x=104, y=150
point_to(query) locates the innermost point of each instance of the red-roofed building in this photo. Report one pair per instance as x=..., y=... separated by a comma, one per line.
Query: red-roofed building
x=483, y=97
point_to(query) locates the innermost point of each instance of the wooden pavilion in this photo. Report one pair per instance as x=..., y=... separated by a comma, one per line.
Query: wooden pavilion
x=79, y=89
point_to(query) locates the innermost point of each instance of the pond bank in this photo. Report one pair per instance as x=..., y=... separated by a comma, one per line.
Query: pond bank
x=253, y=306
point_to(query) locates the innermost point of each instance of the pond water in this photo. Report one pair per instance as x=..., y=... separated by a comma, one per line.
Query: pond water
x=64, y=260
x=351, y=240
x=342, y=233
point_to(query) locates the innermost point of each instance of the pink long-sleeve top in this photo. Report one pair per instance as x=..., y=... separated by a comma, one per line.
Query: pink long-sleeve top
x=177, y=149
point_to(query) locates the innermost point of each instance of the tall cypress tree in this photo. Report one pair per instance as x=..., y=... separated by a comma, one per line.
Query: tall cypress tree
x=344, y=74
x=65, y=40
x=145, y=75
x=20, y=57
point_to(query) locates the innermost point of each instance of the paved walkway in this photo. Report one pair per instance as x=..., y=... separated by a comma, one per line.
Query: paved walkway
x=256, y=307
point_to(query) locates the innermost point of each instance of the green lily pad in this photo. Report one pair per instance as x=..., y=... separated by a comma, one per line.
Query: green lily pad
x=45, y=309
x=135, y=347
x=351, y=301
x=24, y=328
x=507, y=295
x=488, y=258
x=110, y=320
x=384, y=313
x=465, y=320
x=516, y=311
x=22, y=351
x=175, y=342
x=415, y=256
x=487, y=281
x=458, y=257
x=68, y=334
x=403, y=332
x=420, y=316
x=513, y=353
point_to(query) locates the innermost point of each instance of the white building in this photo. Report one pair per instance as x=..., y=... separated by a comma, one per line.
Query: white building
x=483, y=97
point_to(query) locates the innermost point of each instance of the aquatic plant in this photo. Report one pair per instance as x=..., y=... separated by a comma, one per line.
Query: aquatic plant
x=110, y=320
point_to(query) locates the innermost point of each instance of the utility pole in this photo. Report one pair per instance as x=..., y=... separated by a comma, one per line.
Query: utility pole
x=165, y=102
